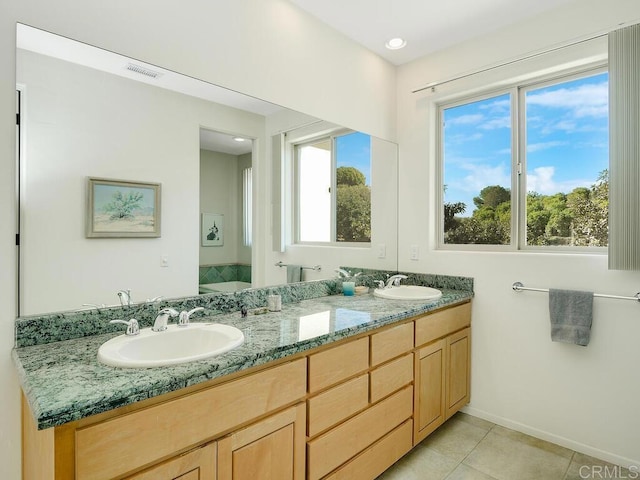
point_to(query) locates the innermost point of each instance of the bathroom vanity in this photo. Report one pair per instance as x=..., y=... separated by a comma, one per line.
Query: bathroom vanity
x=340, y=406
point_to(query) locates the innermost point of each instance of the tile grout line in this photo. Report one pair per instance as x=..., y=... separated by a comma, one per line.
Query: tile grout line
x=467, y=455
x=566, y=472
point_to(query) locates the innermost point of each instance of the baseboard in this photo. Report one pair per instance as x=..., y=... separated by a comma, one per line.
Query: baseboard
x=558, y=440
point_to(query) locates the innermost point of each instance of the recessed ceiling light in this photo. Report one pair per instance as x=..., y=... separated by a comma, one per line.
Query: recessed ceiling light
x=239, y=139
x=395, y=43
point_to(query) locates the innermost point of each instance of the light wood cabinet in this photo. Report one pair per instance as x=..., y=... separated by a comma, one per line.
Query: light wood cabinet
x=271, y=449
x=198, y=464
x=361, y=425
x=458, y=371
x=442, y=368
x=332, y=449
x=430, y=373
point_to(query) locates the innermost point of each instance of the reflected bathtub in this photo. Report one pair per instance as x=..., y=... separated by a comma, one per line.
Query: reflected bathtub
x=223, y=287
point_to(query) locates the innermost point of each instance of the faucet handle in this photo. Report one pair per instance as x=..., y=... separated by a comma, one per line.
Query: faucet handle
x=183, y=319
x=132, y=326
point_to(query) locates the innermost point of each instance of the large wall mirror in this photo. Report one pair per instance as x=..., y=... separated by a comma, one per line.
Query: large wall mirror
x=87, y=113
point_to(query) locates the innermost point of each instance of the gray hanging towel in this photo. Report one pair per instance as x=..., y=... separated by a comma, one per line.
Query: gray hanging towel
x=571, y=314
x=294, y=273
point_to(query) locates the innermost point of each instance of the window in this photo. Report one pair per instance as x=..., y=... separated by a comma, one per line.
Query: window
x=334, y=188
x=528, y=167
x=247, y=212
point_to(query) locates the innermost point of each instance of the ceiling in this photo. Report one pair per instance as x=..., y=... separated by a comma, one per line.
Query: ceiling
x=426, y=25
x=45, y=43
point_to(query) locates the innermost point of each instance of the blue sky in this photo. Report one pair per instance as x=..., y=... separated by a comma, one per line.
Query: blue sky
x=354, y=150
x=566, y=140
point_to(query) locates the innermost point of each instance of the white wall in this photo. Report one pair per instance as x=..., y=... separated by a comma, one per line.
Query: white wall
x=234, y=44
x=219, y=186
x=81, y=123
x=583, y=398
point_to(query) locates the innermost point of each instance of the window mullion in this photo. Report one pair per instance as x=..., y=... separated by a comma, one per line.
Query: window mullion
x=334, y=168
x=521, y=165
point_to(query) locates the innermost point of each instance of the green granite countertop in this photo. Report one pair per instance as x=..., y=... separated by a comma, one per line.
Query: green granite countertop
x=63, y=381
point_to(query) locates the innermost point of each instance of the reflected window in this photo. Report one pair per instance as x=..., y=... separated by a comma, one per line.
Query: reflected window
x=314, y=325
x=334, y=188
x=247, y=199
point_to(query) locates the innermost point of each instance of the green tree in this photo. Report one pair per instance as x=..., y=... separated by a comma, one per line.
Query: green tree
x=353, y=213
x=578, y=218
x=450, y=212
x=122, y=206
x=492, y=196
x=350, y=176
x=353, y=206
x=589, y=208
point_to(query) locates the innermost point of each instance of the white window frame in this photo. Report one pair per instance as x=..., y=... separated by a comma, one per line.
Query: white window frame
x=294, y=145
x=517, y=91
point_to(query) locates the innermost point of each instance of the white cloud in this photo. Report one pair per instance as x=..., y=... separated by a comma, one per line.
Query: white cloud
x=499, y=106
x=591, y=100
x=482, y=175
x=461, y=138
x=503, y=121
x=541, y=181
x=536, y=147
x=471, y=119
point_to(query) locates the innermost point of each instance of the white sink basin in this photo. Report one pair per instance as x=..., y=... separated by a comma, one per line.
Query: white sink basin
x=408, y=292
x=174, y=345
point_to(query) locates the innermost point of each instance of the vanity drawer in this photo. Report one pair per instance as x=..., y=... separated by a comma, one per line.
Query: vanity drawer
x=379, y=456
x=391, y=343
x=119, y=445
x=335, y=364
x=332, y=449
x=336, y=404
x=391, y=377
x=438, y=324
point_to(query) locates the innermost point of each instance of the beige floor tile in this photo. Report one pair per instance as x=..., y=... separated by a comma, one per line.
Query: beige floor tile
x=464, y=472
x=455, y=439
x=534, y=442
x=584, y=467
x=475, y=421
x=507, y=458
x=420, y=464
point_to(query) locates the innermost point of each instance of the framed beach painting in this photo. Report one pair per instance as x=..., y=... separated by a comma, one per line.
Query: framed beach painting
x=122, y=208
x=212, y=229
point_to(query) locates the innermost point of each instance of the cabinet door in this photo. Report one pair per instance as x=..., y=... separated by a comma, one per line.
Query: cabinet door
x=458, y=370
x=429, y=402
x=199, y=464
x=271, y=449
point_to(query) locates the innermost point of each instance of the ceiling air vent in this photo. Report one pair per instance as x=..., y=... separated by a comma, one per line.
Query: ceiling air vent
x=143, y=71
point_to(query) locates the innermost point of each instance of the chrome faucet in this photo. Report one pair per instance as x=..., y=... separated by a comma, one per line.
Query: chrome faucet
x=132, y=326
x=125, y=297
x=394, y=280
x=160, y=324
x=183, y=318
x=343, y=273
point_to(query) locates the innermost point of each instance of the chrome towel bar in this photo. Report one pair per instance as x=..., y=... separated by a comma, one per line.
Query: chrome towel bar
x=519, y=287
x=315, y=267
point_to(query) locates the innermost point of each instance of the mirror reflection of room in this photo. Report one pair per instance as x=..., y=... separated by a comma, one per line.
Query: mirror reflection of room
x=226, y=212
x=91, y=113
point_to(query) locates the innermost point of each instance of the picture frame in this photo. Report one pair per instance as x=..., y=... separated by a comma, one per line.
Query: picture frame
x=212, y=229
x=122, y=208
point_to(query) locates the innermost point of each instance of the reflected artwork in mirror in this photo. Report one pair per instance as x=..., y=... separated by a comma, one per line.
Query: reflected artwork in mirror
x=91, y=113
